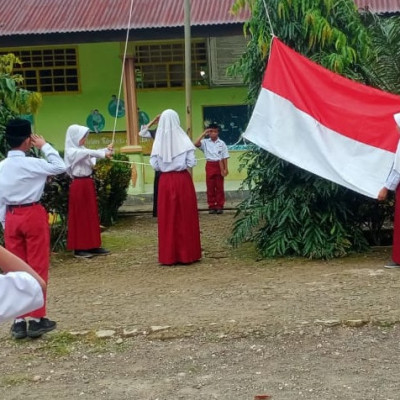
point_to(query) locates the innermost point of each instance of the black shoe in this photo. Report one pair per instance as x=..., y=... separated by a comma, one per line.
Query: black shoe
x=37, y=329
x=82, y=254
x=220, y=211
x=18, y=330
x=212, y=211
x=98, y=252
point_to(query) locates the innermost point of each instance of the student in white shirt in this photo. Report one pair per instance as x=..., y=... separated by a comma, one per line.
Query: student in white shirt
x=178, y=219
x=25, y=220
x=145, y=132
x=84, y=235
x=216, y=154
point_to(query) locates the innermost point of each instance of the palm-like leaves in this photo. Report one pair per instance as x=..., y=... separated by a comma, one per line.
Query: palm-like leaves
x=383, y=71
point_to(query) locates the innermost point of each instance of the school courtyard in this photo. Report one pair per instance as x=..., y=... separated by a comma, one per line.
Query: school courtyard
x=228, y=327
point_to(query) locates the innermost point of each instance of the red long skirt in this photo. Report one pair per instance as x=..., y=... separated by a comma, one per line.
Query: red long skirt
x=27, y=235
x=83, y=216
x=396, y=228
x=178, y=219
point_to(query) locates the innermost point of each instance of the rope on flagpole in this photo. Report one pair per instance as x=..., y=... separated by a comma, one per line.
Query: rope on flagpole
x=122, y=72
x=269, y=19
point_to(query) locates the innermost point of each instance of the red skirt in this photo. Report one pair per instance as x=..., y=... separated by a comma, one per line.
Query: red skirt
x=83, y=216
x=396, y=228
x=178, y=219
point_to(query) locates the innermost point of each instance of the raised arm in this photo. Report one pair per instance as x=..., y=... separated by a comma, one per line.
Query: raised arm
x=197, y=142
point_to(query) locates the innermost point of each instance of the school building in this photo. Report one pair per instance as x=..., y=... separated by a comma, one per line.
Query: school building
x=114, y=64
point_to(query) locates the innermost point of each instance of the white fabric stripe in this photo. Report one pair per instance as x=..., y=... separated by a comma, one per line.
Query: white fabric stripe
x=279, y=127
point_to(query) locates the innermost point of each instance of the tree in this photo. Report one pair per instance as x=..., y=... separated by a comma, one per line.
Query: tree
x=383, y=71
x=14, y=100
x=290, y=211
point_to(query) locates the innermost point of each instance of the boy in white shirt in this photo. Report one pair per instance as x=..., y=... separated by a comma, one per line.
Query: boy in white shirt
x=216, y=153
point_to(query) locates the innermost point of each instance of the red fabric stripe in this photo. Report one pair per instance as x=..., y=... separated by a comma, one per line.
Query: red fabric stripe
x=352, y=109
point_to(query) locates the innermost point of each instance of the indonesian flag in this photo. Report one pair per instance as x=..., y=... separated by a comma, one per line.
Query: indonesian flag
x=324, y=123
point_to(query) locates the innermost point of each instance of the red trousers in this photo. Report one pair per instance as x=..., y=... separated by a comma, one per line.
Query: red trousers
x=215, y=185
x=27, y=235
x=396, y=228
x=178, y=219
x=83, y=216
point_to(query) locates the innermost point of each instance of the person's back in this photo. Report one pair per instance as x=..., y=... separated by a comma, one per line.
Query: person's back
x=25, y=221
x=178, y=221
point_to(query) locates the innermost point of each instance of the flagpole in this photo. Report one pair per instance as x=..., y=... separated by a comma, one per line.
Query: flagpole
x=188, y=69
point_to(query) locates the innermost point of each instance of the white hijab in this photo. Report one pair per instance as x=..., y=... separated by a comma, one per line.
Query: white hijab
x=170, y=140
x=72, y=155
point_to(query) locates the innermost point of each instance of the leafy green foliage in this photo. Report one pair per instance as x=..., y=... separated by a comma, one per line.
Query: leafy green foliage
x=290, y=211
x=293, y=213
x=383, y=70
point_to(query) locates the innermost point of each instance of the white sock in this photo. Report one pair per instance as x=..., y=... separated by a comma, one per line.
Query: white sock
x=35, y=319
x=19, y=320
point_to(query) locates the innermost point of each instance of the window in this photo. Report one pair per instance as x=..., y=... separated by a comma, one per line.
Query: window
x=224, y=52
x=162, y=65
x=50, y=70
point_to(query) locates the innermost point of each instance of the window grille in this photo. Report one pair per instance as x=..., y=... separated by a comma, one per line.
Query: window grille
x=49, y=70
x=162, y=65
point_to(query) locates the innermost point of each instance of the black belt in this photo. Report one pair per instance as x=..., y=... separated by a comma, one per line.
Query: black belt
x=81, y=177
x=11, y=207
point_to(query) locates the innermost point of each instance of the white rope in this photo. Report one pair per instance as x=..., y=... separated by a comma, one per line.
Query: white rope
x=129, y=162
x=269, y=19
x=122, y=72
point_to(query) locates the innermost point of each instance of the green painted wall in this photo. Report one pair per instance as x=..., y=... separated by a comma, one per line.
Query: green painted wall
x=100, y=73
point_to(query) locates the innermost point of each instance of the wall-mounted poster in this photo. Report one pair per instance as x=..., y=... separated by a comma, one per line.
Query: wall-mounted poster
x=232, y=121
x=112, y=107
x=95, y=121
x=143, y=118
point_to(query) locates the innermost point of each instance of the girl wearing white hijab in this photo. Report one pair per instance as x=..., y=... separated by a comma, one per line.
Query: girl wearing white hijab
x=392, y=183
x=83, y=217
x=178, y=220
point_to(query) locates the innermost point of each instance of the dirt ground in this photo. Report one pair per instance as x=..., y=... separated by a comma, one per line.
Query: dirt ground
x=228, y=327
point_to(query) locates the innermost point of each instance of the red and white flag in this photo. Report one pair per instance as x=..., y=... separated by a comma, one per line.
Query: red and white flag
x=324, y=123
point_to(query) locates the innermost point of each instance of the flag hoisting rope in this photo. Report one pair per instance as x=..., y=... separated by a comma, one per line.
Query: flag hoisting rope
x=269, y=19
x=122, y=73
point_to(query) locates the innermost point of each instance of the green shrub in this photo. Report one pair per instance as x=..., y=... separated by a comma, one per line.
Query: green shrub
x=112, y=181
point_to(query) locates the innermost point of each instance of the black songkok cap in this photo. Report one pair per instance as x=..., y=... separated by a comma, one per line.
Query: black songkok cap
x=18, y=129
x=213, y=125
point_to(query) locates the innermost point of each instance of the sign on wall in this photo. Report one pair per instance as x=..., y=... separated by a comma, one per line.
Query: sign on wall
x=103, y=139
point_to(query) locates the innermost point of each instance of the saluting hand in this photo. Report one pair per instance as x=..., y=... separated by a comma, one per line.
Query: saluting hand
x=110, y=151
x=37, y=141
